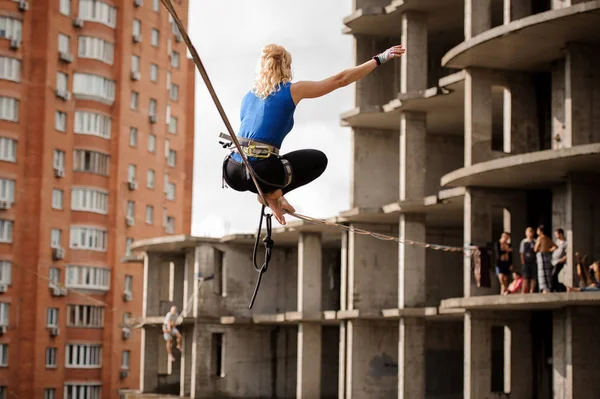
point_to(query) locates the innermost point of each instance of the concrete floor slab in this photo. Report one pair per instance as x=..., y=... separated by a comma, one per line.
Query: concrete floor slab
x=523, y=302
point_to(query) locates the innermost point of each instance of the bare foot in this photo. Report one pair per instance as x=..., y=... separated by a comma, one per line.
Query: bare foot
x=286, y=206
x=179, y=347
x=171, y=358
x=273, y=202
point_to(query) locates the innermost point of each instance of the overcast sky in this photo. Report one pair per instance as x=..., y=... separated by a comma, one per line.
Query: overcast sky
x=229, y=36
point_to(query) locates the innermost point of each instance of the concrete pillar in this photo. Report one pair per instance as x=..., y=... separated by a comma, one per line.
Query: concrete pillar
x=478, y=356
x=559, y=128
x=478, y=17
x=382, y=85
x=413, y=75
x=187, y=362
x=149, y=360
x=342, y=361
x=516, y=9
x=556, y=4
x=478, y=116
x=518, y=369
x=308, y=380
x=151, y=300
x=411, y=359
x=562, y=354
x=413, y=155
x=412, y=262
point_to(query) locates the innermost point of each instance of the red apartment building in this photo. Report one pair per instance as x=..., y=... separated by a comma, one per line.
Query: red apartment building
x=96, y=150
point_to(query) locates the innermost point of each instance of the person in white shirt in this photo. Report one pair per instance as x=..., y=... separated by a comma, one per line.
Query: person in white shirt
x=169, y=331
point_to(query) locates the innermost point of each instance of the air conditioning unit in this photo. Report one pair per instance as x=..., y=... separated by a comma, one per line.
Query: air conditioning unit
x=59, y=172
x=178, y=38
x=15, y=44
x=5, y=205
x=54, y=331
x=78, y=23
x=58, y=291
x=137, y=38
x=136, y=75
x=124, y=374
x=65, y=57
x=3, y=330
x=64, y=94
x=3, y=288
x=152, y=118
x=23, y=5
x=138, y=3
x=132, y=184
x=130, y=221
x=127, y=297
x=58, y=253
x=126, y=332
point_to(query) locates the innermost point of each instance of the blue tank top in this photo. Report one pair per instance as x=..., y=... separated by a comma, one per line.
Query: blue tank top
x=268, y=120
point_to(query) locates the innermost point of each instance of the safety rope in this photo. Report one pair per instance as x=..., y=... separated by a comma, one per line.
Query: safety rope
x=269, y=243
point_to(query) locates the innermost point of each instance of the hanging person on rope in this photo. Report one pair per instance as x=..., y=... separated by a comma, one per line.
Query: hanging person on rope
x=170, y=330
x=267, y=116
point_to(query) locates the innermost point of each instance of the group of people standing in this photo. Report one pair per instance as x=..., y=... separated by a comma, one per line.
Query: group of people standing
x=542, y=259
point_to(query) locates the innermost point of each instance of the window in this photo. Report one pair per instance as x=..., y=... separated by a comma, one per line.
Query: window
x=170, y=226
x=92, y=123
x=5, y=272
x=8, y=149
x=170, y=191
x=9, y=109
x=126, y=318
x=61, y=81
x=6, y=229
x=85, y=316
x=57, y=198
x=55, y=238
x=4, y=355
x=173, y=125
x=64, y=43
x=153, y=72
x=90, y=238
x=4, y=310
x=172, y=158
x=175, y=59
x=154, y=37
x=130, y=209
x=218, y=354
x=10, y=28
x=135, y=63
x=88, y=277
x=125, y=360
x=131, y=173
x=129, y=284
x=91, y=161
x=96, y=49
x=156, y=5
x=168, y=113
x=51, y=357
x=82, y=391
x=220, y=287
x=97, y=11
x=137, y=27
x=89, y=200
x=7, y=190
x=152, y=107
x=10, y=69
x=149, y=214
x=50, y=393
x=134, y=102
x=84, y=356
x=128, y=243
x=168, y=80
x=52, y=317
x=150, y=178
x=60, y=121
x=54, y=277
x=174, y=92
x=58, y=160
x=133, y=137
x=97, y=87
x=151, y=143
x=65, y=9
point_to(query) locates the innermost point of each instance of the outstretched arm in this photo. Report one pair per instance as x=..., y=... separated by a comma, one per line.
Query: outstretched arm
x=314, y=89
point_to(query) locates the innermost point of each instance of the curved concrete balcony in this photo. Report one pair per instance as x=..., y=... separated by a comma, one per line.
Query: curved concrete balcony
x=555, y=300
x=444, y=106
x=528, y=170
x=442, y=15
x=529, y=43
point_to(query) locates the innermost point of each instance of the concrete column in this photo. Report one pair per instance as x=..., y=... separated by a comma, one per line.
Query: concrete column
x=413, y=75
x=478, y=116
x=149, y=360
x=518, y=369
x=478, y=357
x=382, y=85
x=308, y=377
x=562, y=354
x=308, y=380
x=478, y=17
x=411, y=359
x=516, y=9
x=559, y=128
x=556, y=4
x=412, y=263
x=342, y=361
x=187, y=362
x=413, y=155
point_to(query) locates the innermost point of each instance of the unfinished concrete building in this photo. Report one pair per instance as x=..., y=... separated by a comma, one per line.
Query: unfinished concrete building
x=493, y=120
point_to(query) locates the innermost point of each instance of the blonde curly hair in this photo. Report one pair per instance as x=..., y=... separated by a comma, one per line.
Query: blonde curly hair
x=275, y=68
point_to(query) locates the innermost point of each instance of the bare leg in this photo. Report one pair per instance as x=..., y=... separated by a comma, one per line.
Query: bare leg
x=525, y=286
x=503, y=283
x=179, y=341
x=533, y=286
x=169, y=344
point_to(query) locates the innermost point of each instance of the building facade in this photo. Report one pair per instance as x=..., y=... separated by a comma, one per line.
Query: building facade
x=96, y=151
x=488, y=123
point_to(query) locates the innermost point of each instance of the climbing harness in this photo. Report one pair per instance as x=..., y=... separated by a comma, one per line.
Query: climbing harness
x=269, y=243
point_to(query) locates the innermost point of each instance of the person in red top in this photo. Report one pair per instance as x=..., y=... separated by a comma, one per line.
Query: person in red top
x=515, y=285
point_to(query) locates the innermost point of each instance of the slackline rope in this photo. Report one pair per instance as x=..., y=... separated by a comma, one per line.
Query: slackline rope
x=467, y=250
